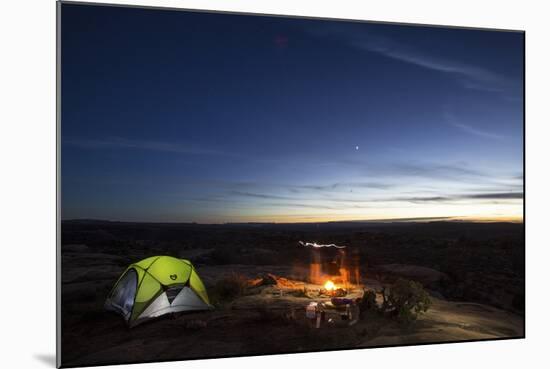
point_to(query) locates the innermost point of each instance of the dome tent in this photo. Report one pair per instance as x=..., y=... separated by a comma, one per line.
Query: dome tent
x=156, y=286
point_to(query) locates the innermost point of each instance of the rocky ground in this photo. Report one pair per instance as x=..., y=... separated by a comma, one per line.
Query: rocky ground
x=265, y=320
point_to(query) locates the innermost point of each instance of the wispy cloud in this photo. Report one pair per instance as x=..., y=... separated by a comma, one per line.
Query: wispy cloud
x=262, y=196
x=478, y=196
x=477, y=132
x=132, y=144
x=496, y=196
x=455, y=172
x=301, y=205
x=452, y=120
x=340, y=186
x=468, y=75
x=363, y=202
x=418, y=199
x=293, y=202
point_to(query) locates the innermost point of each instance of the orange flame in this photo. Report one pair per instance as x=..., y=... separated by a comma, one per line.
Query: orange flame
x=329, y=286
x=315, y=273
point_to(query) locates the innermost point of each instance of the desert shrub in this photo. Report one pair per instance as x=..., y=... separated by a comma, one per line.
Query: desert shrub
x=406, y=300
x=229, y=288
x=368, y=302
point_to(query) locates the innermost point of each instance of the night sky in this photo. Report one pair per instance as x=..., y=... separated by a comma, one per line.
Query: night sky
x=175, y=116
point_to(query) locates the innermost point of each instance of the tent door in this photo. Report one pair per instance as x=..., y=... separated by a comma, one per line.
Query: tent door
x=123, y=296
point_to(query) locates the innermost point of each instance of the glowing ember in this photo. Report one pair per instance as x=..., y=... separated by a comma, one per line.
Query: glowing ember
x=329, y=286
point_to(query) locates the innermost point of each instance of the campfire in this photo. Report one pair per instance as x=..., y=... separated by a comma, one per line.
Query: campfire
x=330, y=286
x=332, y=290
x=334, y=267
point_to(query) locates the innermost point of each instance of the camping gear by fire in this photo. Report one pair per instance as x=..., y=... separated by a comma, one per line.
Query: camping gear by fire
x=338, y=301
x=341, y=312
x=311, y=310
x=315, y=312
x=350, y=309
x=156, y=286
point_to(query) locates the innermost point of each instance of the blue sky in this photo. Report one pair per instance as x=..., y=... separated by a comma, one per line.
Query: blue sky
x=179, y=116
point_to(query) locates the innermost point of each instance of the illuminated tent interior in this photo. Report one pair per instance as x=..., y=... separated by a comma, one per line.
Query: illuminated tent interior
x=157, y=286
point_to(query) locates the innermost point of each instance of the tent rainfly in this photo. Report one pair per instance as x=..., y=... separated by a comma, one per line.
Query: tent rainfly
x=156, y=286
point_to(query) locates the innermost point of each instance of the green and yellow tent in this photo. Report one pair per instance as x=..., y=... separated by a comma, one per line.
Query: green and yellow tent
x=156, y=286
